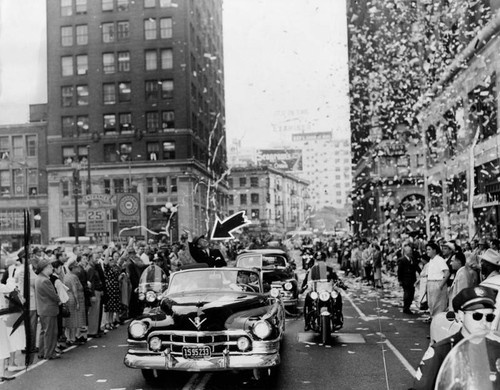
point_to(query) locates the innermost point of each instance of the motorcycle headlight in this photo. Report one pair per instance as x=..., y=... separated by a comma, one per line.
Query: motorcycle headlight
x=155, y=344
x=243, y=343
x=288, y=286
x=334, y=294
x=150, y=296
x=324, y=295
x=159, y=295
x=314, y=295
x=137, y=329
x=142, y=296
x=275, y=293
x=262, y=329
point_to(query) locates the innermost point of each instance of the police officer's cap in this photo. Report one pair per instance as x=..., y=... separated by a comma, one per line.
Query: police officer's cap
x=474, y=298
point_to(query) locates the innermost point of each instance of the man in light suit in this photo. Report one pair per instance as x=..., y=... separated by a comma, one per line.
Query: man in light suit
x=47, y=306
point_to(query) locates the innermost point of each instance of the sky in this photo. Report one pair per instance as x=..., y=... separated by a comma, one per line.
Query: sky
x=285, y=65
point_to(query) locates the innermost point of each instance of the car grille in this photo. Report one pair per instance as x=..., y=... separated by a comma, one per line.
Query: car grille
x=218, y=341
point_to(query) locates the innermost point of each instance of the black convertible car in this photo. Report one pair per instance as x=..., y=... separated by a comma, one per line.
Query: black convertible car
x=210, y=319
x=278, y=275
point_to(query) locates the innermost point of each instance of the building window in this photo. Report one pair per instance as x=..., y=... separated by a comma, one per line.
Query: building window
x=149, y=3
x=152, y=122
x=153, y=149
x=123, y=30
x=167, y=120
x=124, y=92
x=165, y=3
x=5, y=182
x=67, y=36
x=125, y=151
x=149, y=185
x=110, y=153
x=254, y=198
x=119, y=185
x=231, y=200
x=167, y=89
x=125, y=123
x=165, y=28
x=109, y=124
x=82, y=124
x=167, y=59
x=243, y=198
x=243, y=181
x=255, y=213
x=81, y=7
x=67, y=96
x=168, y=150
x=151, y=60
x=123, y=61
x=65, y=189
x=107, y=186
x=82, y=64
x=31, y=145
x=67, y=124
x=173, y=184
x=82, y=34
x=254, y=181
x=107, y=5
x=109, y=93
x=66, y=7
x=152, y=89
x=67, y=66
x=150, y=29
x=122, y=5
x=68, y=155
x=162, y=185
x=108, y=63
x=82, y=95
x=108, y=32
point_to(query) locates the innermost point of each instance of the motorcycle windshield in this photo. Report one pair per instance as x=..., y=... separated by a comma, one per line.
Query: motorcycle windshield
x=153, y=278
x=474, y=363
x=322, y=285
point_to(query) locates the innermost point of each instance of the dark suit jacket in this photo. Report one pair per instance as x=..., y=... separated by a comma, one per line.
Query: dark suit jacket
x=406, y=271
x=214, y=258
x=47, y=300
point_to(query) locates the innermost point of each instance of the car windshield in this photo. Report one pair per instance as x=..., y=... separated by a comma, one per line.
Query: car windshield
x=153, y=278
x=214, y=280
x=273, y=261
x=321, y=285
x=250, y=261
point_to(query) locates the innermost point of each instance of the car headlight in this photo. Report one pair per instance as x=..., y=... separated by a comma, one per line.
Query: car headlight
x=262, y=329
x=142, y=296
x=275, y=293
x=314, y=295
x=288, y=286
x=155, y=344
x=334, y=294
x=150, y=296
x=137, y=329
x=324, y=295
x=243, y=343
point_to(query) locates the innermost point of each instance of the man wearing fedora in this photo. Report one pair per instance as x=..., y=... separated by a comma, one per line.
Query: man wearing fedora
x=490, y=263
x=200, y=251
x=473, y=308
x=47, y=306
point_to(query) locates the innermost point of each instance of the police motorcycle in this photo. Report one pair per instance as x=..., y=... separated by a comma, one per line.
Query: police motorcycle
x=474, y=363
x=152, y=284
x=323, y=307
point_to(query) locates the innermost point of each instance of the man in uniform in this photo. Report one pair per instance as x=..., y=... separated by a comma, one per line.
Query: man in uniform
x=474, y=308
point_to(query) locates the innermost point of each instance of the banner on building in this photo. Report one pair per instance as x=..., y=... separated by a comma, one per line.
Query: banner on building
x=128, y=212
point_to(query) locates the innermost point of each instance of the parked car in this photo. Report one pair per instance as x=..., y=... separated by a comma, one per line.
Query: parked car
x=210, y=319
x=278, y=274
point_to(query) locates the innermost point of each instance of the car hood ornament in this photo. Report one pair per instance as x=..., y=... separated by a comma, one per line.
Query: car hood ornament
x=197, y=322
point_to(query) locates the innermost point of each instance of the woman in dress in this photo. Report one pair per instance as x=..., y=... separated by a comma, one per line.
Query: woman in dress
x=111, y=275
x=76, y=304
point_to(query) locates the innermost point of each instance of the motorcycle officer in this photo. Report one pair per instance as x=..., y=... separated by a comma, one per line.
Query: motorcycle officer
x=474, y=308
x=321, y=271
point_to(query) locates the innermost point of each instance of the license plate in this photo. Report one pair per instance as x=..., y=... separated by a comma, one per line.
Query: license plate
x=196, y=352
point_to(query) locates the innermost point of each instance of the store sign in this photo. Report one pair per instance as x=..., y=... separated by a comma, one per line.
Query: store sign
x=128, y=210
x=96, y=221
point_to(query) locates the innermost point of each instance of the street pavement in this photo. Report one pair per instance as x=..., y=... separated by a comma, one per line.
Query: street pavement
x=378, y=348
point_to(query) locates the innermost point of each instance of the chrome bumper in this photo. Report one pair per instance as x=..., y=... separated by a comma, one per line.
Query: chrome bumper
x=165, y=361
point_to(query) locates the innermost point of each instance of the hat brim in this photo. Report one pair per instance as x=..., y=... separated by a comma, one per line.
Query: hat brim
x=478, y=303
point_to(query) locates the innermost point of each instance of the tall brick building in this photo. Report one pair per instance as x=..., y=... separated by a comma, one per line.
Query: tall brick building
x=136, y=88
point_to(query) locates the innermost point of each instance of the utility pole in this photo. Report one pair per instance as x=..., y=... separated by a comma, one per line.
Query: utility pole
x=76, y=190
